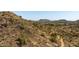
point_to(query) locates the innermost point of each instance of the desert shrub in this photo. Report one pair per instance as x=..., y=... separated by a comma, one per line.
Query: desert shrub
x=21, y=41
x=53, y=37
x=20, y=27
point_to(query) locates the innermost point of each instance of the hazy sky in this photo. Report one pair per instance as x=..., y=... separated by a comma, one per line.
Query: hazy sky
x=52, y=15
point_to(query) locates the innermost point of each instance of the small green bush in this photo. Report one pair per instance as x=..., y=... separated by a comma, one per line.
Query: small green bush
x=53, y=37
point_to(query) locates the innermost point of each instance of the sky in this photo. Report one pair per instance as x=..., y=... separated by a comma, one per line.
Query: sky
x=51, y=15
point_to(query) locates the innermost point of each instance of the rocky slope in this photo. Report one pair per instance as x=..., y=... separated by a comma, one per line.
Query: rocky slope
x=18, y=32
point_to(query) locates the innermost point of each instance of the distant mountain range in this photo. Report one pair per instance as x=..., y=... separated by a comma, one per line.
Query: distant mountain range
x=60, y=20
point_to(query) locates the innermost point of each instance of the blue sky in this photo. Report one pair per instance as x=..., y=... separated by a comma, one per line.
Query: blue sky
x=52, y=15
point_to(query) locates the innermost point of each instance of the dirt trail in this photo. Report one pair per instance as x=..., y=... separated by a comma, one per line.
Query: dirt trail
x=62, y=42
x=60, y=39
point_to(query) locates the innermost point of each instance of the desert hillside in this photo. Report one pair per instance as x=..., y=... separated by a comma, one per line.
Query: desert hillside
x=16, y=31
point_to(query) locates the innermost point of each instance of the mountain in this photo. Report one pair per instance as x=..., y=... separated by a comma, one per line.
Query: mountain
x=44, y=20
x=16, y=31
